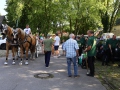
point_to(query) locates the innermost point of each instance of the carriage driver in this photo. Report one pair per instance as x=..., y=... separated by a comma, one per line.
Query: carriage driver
x=27, y=30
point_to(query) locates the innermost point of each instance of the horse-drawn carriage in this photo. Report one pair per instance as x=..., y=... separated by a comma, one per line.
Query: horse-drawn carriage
x=19, y=42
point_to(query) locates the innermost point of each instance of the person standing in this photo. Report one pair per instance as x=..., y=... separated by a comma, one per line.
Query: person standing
x=27, y=30
x=47, y=44
x=82, y=41
x=112, y=45
x=80, y=47
x=56, y=45
x=37, y=41
x=91, y=51
x=63, y=42
x=71, y=49
x=104, y=49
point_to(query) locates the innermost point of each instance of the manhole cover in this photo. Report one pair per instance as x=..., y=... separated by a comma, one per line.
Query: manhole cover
x=43, y=75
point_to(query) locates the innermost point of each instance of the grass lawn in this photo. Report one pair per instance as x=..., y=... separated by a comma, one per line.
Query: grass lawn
x=108, y=75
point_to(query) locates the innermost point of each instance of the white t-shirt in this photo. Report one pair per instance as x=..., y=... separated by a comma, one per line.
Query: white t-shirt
x=57, y=41
x=27, y=30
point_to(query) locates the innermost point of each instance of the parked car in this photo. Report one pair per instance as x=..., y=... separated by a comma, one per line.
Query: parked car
x=2, y=43
x=104, y=35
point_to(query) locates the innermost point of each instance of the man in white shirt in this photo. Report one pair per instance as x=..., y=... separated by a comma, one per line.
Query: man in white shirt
x=27, y=30
x=56, y=45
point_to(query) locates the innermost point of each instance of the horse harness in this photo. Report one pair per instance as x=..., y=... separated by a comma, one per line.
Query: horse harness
x=11, y=41
x=26, y=36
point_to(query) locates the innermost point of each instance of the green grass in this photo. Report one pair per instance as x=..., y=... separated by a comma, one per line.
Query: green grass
x=109, y=73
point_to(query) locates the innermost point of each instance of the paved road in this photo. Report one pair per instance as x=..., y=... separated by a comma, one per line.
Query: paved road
x=15, y=77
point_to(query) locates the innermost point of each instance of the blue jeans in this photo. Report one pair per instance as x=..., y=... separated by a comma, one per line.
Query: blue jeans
x=69, y=61
x=47, y=58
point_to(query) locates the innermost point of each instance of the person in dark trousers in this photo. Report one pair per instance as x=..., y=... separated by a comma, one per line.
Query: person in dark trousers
x=105, y=52
x=91, y=51
x=112, y=45
x=104, y=49
x=47, y=43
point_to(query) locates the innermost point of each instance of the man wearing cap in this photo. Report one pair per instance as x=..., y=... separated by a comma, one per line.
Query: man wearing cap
x=47, y=44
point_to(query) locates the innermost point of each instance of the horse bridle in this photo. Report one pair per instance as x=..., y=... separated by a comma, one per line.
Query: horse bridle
x=5, y=31
x=15, y=33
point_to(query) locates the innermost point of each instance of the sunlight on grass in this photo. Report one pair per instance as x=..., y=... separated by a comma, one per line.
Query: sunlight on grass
x=110, y=73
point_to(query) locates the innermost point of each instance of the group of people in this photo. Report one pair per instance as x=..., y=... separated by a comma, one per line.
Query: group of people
x=73, y=48
x=47, y=44
x=108, y=49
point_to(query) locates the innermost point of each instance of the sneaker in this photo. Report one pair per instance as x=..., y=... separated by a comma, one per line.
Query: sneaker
x=26, y=63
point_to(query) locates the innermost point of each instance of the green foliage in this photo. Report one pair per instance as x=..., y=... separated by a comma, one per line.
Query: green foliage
x=64, y=15
x=64, y=38
x=109, y=13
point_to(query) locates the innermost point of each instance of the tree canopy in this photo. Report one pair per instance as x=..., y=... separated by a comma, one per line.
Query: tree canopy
x=75, y=16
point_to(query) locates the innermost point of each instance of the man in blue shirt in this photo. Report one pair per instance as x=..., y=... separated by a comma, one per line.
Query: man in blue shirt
x=71, y=49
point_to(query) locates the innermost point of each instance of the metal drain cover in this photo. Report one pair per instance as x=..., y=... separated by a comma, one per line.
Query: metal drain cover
x=43, y=75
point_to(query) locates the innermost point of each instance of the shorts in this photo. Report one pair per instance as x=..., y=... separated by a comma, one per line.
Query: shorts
x=56, y=48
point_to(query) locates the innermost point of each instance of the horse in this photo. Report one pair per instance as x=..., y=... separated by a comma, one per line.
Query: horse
x=26, y=42
x=8, y=33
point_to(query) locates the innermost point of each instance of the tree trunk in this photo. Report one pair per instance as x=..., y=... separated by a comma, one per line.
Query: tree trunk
x=76, y=27
x=70, y=25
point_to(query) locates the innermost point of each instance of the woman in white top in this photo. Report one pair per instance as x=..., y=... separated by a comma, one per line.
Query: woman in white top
x=56, y=45
x=27, y=30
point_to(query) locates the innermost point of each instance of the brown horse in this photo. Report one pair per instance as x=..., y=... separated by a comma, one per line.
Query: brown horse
x=26, y=42
x=8, y=32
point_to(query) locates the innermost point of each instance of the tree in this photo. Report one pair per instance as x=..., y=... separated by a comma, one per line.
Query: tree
x=75, y=16
x=109, y=13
